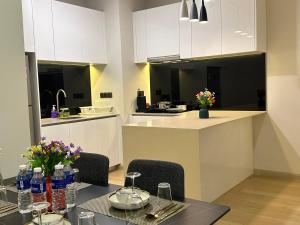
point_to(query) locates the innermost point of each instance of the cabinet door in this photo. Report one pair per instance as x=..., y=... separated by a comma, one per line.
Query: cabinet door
x=43, y=29
x=78, y=135
x=163, y=31
x=28, y=25
x=94, y=40
x=57, y=132
x=140, y=36
x=111, y=134
x=68, y=36
x=238, y=26
x=207, y=37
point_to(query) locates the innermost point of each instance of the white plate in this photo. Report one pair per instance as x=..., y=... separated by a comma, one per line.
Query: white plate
x=131, y=203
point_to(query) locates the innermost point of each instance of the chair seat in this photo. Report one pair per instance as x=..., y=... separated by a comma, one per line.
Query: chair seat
x=155, y=172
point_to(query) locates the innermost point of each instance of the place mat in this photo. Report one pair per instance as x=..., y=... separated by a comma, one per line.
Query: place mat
x=102, y=205
x=4, y=206
x=14, y=188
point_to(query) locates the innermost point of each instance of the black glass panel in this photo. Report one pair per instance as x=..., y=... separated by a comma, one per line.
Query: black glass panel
x=238, y=82
x=75, y=80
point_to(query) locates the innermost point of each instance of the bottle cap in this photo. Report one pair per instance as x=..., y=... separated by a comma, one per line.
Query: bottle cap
x=22, y=167
x=37, y=170
x=59, y=167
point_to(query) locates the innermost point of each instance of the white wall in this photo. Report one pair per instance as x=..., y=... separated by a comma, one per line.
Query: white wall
x=14, y=120
x=277, y=136
x=120, y=76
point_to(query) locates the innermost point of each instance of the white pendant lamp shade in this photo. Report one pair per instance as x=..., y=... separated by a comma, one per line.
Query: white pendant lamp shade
x=184, y=13
x=194, y=12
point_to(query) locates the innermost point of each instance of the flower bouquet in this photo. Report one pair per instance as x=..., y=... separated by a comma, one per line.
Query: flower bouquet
x=206, y=99
x=47, y=155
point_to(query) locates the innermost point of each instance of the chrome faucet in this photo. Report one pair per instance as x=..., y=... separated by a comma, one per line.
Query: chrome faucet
x=57, y=97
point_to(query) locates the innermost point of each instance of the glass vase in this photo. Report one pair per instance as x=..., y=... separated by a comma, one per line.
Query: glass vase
x=49, y=191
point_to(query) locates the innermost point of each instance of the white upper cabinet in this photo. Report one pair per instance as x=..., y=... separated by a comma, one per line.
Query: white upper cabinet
x=207, y=37
x=28, y=25
x=140, y=36
x=94, y=39
x=79, y=34
x=163, y=31
x=243, y=26
x=43, y=29
x=68, y=36
x=234, y=26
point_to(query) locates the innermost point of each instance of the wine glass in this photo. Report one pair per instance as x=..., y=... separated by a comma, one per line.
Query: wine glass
x=76, y=177
x=132, y=176
x=38, y=208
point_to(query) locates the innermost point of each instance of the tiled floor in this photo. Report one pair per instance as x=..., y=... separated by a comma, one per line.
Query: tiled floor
x=260, y=200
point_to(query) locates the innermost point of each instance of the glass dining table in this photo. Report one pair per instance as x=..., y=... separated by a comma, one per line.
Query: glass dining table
x=198, y=212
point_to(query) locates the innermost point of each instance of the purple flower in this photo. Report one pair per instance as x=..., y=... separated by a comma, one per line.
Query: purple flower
x=77, y=151
x=72, y=145
x=43, y=138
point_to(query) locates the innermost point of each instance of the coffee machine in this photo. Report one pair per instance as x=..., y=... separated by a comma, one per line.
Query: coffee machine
x=141, y=101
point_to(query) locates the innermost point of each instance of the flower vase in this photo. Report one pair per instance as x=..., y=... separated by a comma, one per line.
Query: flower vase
x=203, y=113
x=49, y=191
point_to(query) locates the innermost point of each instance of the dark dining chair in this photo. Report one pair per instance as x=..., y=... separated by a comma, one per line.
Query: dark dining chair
x=93, y=168
x=155, y=172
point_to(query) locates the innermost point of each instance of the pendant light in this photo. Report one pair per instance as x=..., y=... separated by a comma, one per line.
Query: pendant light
x=194, y=12
x=184, y=13
x=203, y=14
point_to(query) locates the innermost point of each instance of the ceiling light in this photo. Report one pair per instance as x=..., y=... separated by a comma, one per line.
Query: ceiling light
x=244, y=33
x=203, y=13
x=184, y=13
x=194, y=12
x=238, y=31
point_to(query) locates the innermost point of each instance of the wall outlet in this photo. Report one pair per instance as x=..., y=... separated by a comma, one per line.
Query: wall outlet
x=106, y=95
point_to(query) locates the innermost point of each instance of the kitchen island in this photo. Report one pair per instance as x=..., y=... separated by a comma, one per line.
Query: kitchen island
x=216, y=153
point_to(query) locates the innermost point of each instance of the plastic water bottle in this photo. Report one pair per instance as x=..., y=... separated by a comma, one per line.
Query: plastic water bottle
x=58, y=190
x=29, y=172
x=38, y=186
x=24, y=192
x=70, y=186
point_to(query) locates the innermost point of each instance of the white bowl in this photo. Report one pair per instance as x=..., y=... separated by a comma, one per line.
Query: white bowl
x=125, y=200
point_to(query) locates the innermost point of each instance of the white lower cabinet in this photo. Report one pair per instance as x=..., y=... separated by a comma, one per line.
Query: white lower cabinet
x=101, y=136
x=57, y=133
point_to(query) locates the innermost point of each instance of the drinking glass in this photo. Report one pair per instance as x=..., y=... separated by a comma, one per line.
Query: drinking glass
x=86, y=218
x=3, y=193
x=164, y=191
x=132, y=176
x=38, y=208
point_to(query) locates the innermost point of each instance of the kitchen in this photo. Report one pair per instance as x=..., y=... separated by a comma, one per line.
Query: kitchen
x=123, y=46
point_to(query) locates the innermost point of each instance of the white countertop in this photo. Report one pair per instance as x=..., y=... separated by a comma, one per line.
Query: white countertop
x=190, y=120
x=155, y=114
x=50, y=121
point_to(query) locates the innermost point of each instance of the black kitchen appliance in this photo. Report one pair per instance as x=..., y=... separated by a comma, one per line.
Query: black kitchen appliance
x=141, y=101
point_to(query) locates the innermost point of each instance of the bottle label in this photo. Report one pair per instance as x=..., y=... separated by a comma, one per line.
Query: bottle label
x=38, y=188
x=23, y=184
x=58, y=184
x=69, y=178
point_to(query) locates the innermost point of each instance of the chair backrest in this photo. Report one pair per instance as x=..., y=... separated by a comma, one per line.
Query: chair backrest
x=155, y=172
x=93, y=168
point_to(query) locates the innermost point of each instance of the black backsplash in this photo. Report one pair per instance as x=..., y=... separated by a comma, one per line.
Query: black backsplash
x=75, y=80
x=238, y=82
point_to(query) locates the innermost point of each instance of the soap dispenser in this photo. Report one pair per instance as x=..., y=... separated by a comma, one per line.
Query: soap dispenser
x=54, y=113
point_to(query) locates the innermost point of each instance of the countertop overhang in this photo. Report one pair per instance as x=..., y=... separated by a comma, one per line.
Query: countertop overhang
x=51, y=122
x=190, y=120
